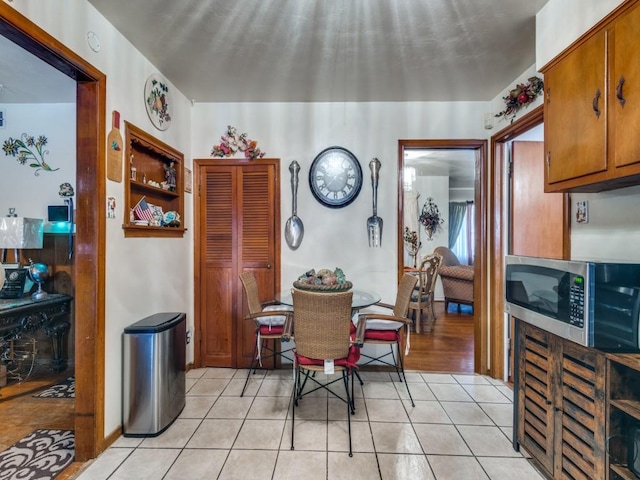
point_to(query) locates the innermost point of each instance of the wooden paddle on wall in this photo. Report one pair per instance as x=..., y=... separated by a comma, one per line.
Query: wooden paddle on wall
x=114, y=150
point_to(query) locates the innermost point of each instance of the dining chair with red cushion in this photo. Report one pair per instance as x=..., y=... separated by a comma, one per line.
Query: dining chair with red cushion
x=271, y=322
x=382, y=324
x=323, y=343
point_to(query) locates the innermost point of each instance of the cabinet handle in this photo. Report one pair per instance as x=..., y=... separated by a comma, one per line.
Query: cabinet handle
x=619, y=94
x=596, y=100
x=548, y=159
x=548, y=95
x=268, y=265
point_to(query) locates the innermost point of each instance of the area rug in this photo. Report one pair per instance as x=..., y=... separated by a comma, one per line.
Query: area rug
x=41, y=455
x=66, y=389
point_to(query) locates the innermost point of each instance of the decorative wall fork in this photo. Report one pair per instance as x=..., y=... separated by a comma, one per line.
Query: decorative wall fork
x=374, y=223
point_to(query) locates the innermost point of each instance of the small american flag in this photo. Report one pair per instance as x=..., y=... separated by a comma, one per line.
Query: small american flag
x=142, y=210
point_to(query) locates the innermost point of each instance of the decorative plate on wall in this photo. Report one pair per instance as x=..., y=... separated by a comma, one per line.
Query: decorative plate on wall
x=157, y=100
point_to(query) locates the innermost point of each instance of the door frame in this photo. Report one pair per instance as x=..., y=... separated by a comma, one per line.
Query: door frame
x=89, y=268
x=480, y=284
x=497, y=241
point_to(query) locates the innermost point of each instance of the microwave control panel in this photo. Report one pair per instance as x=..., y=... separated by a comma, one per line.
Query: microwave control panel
x=576, y=301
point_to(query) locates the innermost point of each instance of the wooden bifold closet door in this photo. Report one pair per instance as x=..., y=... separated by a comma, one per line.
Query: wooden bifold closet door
x=237, y=229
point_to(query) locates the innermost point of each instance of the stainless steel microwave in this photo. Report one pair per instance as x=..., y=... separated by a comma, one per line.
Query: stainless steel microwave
x=596, y=304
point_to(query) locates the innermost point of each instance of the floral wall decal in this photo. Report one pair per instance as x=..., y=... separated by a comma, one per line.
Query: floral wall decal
x=521, y=96
x=28, y=148
x=231, y=143
x=430, y=218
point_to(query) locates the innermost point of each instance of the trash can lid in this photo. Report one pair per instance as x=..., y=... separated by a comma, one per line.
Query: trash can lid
x=156, y=323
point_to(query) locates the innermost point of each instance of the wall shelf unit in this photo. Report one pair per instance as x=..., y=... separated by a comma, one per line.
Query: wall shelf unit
x=147, y=159
x=623, y=411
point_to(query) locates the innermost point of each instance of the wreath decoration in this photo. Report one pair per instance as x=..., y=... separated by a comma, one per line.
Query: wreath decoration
x=521, y=96
x=231, y=143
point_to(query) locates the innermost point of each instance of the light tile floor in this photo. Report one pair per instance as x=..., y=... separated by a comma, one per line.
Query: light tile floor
x=460, y=428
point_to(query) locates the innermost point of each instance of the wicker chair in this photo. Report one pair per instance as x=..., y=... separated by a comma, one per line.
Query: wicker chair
x=381, y=324
x=422, y=296
x=271, y=323
x=457, y=279
x=322, y=324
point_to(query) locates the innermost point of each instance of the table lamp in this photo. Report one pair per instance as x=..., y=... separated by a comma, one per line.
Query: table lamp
x=18, y=233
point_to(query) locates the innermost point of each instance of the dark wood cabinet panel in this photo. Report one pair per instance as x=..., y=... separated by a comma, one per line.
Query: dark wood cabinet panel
x=560, y=411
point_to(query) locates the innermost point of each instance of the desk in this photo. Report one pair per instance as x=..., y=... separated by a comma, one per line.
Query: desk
x=28, y=315
x=361, y=298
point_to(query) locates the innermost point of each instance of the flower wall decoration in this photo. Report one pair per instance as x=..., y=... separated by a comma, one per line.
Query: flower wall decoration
x=412, y=242
x=31, y=149
x=521, y=96
x=430, y=218
x=231, y=143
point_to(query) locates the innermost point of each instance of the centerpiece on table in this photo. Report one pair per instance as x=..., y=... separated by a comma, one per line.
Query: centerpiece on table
x=323, y=280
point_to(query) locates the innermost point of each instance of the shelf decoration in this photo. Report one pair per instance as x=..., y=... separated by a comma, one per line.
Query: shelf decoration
x=412, y=243
x=231, y=143
x=28, y=148
x=430, y=218
x=521, y=96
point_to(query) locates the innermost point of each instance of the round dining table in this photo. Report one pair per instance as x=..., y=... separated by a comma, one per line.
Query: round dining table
x=361, y=298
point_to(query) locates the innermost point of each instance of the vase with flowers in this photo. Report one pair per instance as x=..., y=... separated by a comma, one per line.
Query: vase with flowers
x=412, y=243
x=430, y=218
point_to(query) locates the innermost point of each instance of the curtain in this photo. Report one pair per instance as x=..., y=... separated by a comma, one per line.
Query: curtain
x=457, y=212
x=411, y=211
x=471, y=233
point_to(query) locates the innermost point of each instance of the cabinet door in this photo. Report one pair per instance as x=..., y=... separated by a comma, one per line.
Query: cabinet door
x=216, y=289
x=573, y=131
x=580, y=425
x=239, y=228
x=624, y=123
x=535, y=410
x=258, y=244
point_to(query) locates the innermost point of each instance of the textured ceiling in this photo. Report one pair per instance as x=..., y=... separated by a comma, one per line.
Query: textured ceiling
x=332, y=50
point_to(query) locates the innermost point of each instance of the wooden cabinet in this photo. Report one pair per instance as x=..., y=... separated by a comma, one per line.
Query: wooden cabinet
x=148, y=160
x=560, y=404
x=623, y=374
x=238, y=229
x=592, y=108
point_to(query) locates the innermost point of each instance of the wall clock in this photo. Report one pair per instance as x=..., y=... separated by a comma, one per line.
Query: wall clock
x=335, y=177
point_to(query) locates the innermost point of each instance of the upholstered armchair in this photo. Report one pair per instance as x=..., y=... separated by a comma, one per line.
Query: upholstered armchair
x=457, y=279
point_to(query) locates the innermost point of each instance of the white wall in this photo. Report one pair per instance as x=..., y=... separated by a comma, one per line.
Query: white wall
x=143, y=275
x=299, y=131
x=560, y=22
x=22, y=187
x=437, y=188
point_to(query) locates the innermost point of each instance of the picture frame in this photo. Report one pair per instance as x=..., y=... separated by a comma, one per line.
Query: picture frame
x=14, y=286
x=188, y=180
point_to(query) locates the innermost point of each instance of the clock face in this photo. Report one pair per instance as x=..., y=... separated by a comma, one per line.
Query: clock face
x=335, y=177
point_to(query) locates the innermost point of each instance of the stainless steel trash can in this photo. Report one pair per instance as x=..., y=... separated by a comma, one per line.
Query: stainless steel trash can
x=154, y=374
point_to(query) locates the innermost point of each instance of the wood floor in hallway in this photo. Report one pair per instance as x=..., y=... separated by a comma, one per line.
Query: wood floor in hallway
x=448, y=347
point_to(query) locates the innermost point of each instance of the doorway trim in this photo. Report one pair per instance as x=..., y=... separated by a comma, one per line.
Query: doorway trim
x=497, y=241
x=480, y=284
x=89, y=268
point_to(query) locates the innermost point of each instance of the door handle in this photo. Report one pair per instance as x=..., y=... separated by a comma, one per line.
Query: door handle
x=619, y=93
x=596, y=100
